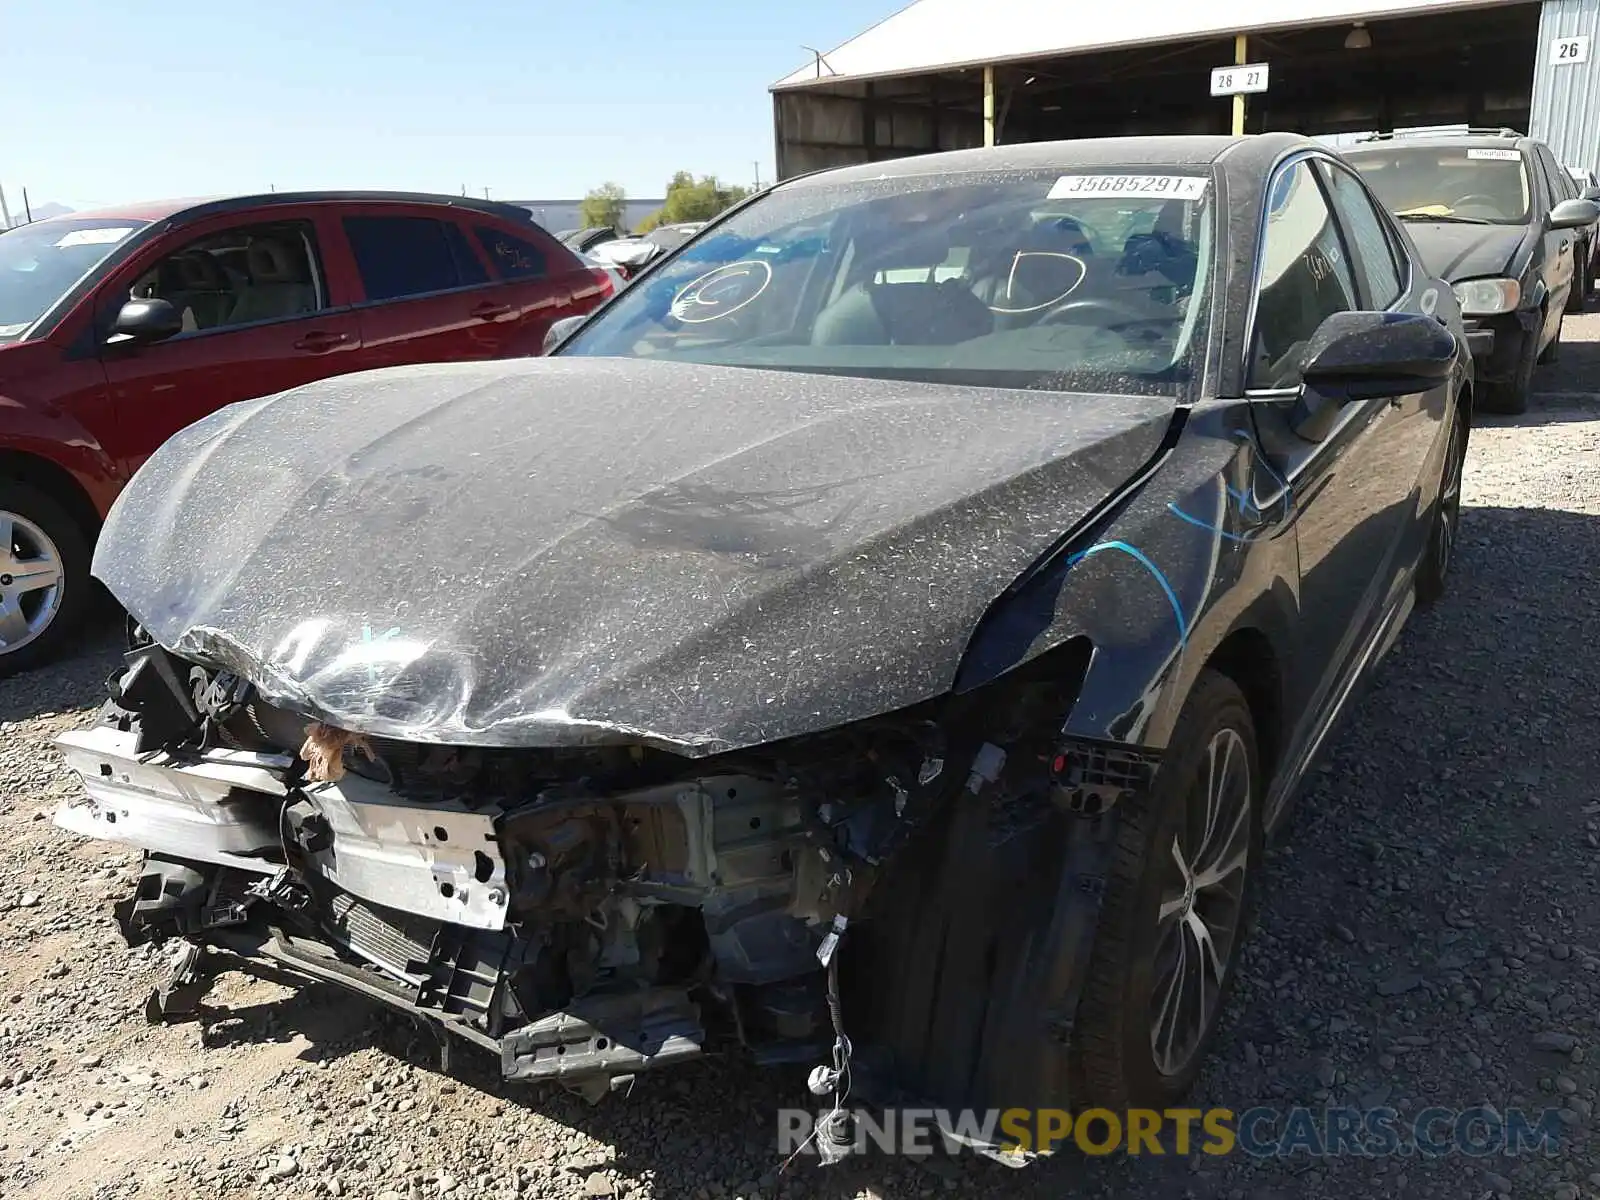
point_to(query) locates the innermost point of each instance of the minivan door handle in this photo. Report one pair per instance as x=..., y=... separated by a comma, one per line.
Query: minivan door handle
x=489, y=310
x=319, y=341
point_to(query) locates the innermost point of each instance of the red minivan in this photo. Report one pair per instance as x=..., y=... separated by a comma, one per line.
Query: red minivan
x=119, y=327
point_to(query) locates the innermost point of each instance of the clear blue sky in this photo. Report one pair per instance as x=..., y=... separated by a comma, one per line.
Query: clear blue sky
x=109, y=101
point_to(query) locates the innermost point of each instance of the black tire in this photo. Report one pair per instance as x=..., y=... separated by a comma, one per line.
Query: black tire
x=1434, y=570
x=1114, y=1053
x=74, y=599
x=1511, y=397
x=1578, y=298
x=1552, y=352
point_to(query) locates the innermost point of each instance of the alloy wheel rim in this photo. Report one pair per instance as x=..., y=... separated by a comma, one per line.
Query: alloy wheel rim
x=1450, y=500
x=31, y=579
x=1202, y=903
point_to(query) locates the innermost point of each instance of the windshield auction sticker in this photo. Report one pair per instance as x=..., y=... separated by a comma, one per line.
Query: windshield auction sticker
x=93, y=237
x=1129, y=187
x=1493, y=154
x=721, y=292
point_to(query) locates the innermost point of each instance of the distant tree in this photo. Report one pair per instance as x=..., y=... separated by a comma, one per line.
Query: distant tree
x=606, y=207
x=691, y=199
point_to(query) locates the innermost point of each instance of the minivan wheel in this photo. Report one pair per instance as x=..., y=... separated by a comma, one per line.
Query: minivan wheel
x=44, y=577
x=1175, y=910
x=1578, y=298
x=1511, y=396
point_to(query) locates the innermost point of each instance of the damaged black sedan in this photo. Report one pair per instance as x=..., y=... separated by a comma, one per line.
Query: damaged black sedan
x=882, y=636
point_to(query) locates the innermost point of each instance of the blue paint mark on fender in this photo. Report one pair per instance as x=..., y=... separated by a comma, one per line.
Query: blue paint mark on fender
x=1139, y=557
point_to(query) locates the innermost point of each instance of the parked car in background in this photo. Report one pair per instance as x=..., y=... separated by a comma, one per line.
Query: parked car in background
x=630, y=255
x=584, y=240
x=988, y=524
x=1493, y=213
x=626, y=254
x=618, y=279
x=1588, y=185
x=118, y=328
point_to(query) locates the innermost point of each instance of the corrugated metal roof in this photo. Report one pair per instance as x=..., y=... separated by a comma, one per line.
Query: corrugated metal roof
x=1566, y=97
x=931, y=35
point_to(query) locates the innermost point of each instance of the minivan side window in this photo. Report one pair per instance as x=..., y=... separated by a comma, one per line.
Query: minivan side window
x=240, y=276
x=1370, y=242
x=513, y=257
x=1304, y=277
x=411, y=256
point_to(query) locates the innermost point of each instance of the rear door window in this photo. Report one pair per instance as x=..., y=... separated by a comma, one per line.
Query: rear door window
x=513, y=257
x=411, y=256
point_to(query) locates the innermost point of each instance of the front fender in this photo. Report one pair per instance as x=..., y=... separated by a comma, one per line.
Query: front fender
x=1205, y=548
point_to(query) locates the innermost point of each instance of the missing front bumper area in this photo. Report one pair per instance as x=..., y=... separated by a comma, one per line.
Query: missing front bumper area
x=579, y=938
x=587, y=913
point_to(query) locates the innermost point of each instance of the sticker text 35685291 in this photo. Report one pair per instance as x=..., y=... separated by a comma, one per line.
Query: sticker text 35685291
x=1129, y=187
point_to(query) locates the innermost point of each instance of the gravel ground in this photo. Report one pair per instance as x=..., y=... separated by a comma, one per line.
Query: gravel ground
x=1429, y=936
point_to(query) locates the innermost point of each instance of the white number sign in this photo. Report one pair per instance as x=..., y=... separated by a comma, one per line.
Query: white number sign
x=1130, y=187
x=1564, y=52
x=1233, y=81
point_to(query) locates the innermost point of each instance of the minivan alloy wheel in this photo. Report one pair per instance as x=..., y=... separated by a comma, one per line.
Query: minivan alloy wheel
x=31, y=578
x=1202, y=903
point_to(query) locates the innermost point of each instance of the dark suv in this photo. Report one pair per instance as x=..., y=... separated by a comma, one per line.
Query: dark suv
x=1494, y=214
x=118, y=328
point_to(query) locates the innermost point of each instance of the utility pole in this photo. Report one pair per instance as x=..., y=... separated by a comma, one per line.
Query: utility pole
x=26, y=207
x=485, y=193
x=757, y=165
x=5, y=211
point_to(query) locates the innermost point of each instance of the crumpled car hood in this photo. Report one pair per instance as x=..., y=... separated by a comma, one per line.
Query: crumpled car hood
x=565, y=551
x=1455, y=252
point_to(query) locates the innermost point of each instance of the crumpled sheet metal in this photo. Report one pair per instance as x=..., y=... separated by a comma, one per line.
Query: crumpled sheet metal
x=569, y=551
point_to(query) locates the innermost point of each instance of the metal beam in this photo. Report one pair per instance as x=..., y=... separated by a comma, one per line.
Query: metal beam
x=988, y=106
x=1241, y=49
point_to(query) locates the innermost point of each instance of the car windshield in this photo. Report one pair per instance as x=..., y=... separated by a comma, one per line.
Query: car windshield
x=1062, y=280
x=39, y=263
x=1486, y=184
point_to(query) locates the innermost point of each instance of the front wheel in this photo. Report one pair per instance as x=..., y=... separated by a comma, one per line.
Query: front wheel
x=44, y=577
x=1578, y=298
x=1435, y=566
x=1175, y=910
x=1511, y=396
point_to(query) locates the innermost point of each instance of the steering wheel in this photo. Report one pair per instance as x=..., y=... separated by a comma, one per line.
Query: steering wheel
x=1091, y=309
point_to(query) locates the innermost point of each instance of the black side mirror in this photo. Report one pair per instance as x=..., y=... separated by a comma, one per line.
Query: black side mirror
x=1364, y=355
x=560, y=331
x=1574, y=214
x=146, y=321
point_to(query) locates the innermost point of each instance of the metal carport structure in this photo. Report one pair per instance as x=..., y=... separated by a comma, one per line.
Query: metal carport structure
x=949, y=74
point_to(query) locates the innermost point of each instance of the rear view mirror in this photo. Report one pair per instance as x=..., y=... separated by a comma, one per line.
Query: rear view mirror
x=1574, y=214
x=146, y=321
x=1363, y=355
x=560, y=331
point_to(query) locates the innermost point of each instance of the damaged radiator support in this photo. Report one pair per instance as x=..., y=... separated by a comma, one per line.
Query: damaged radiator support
x=588, y=913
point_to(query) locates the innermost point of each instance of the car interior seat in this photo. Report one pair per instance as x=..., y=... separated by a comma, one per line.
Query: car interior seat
x=878, y=311
x=280, y=283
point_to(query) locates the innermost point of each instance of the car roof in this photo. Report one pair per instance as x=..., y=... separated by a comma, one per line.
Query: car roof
x=1444, y=141
x=1172, y=150
x=195, y=208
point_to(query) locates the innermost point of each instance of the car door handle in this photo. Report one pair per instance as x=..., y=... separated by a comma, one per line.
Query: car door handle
x=490, y=311
x=319, y=340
